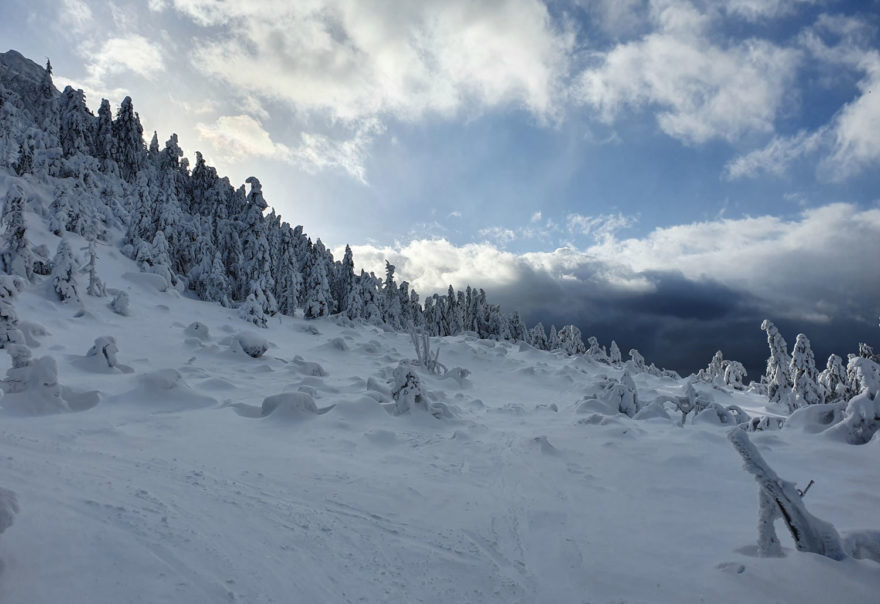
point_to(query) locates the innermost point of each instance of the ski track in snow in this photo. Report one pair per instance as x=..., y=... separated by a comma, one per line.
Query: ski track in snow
x=176, y=490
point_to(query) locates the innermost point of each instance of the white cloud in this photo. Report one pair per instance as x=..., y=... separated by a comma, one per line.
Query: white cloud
x=536, y=217
x=756, y=10
x=499, y=235
x=76, y=15
x=777, y=156
x=700, y=90
x=599, y=227
x=132, y=53
x=237, y=136
x=363, y=60
x=807, y=267
x=850, y=141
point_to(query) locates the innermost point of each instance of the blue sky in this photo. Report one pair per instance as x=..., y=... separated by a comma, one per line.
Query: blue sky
x=637, y=151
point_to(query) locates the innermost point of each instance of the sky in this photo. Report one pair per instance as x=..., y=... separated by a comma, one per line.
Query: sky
x=665, y=173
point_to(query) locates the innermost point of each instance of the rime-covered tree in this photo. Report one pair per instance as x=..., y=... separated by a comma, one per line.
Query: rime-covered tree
x=75, y=125
x=129, y=152
x=317, y=294
x=539, y=337
x=570, y=340
x=803, y=373
x=832, y=380
x=614, y=354
x=64, y=273
x=96, y=286
x=778, y=376
x=16, y=257
x=154, y=258
x=553, y=339
x=391, y=311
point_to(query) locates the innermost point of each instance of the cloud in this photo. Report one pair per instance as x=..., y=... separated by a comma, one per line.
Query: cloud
x=598, y=227
x=700, y=90
x=239, y=136
x=775, y=158
x=133, y=53
x=850, y=141
x=756, y=10
x=355, y=61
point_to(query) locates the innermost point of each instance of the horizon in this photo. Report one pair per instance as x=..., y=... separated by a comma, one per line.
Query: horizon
x=755, y=196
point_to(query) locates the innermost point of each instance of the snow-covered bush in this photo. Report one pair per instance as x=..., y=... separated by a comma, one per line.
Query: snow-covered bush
x=860, y=422
x=119, y=304
x=614, y=396
x=104, y=348
x=252, y=311
x=422, y=344
x=406, y=390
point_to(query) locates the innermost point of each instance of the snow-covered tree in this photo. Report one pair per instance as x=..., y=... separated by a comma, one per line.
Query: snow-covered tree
x=614, y=354
x=539, y=337
x=155, y=258
x=832, y=380
x=734, y=374
x=251, y=310
x=64, y=273
x=778, y=376
x=802, y=369
x=16, y=257
x=96, y=286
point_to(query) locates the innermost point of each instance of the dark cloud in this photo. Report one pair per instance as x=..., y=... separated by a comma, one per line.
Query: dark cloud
x=679, y=324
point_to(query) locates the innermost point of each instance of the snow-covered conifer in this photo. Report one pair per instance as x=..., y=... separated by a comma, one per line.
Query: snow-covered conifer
x=317, y=294
x=734, y=374
x=553, y=339
x=614, y=354
x=803, y=372
x=96, y=286
x=570, y=340
x=391, y=311
x=778, y=376
x=638, y=361
x=539, y=337
x=16, y=257
x=64, y=273
x=832, y=380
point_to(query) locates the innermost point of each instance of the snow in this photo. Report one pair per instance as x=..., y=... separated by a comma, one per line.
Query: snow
x=177, y=487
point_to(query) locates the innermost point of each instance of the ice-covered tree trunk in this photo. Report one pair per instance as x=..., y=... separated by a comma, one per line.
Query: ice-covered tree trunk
x=63, y=274
x=810, y=534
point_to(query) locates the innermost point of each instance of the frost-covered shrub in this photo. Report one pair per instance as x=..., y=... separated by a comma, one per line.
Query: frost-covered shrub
x=406, y=390
x=252, y=311
x=614, y=396
x=104, y=348
x=119, y=304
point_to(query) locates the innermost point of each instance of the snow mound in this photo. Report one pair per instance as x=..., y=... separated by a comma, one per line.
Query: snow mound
x=165, y=391
x=199, y=330
x=291, y=406
x=253, y=345
x=33, y=389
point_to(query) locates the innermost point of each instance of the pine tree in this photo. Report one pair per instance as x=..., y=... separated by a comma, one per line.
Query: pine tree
x=64, y=273
x=391, y=310
x=16, y=257
x=130, y=154
x=803, y=372
x=832, y=380
x=96, y=286
x=539, y=337
x=614, y=354
x=778, y=376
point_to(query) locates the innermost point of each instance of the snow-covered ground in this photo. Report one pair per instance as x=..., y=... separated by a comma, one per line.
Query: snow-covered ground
x=176, y=487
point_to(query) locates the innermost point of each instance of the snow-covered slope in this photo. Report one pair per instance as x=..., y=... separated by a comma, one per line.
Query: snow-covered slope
x=175, y=488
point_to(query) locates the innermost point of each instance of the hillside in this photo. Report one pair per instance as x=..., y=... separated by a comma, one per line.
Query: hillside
x=166, y=448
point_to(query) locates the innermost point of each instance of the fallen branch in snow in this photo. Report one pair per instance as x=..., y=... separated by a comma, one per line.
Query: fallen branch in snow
x=777, y=497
